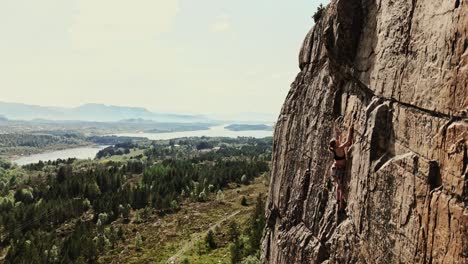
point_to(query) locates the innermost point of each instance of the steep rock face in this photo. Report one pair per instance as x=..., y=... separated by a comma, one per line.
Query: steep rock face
x=397, y=71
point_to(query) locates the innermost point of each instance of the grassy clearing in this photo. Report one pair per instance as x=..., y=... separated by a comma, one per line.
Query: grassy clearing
x=120, y=158
x=181, y=234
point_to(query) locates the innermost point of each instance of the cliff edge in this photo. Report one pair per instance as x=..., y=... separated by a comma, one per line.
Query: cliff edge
x=397, y=71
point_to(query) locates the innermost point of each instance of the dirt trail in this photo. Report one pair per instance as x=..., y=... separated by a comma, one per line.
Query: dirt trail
x=197, y=236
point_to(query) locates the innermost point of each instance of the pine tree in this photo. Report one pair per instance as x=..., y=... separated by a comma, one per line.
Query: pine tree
x=209, y=240
x=236, y=252
x=257, y=223
x=233, y=231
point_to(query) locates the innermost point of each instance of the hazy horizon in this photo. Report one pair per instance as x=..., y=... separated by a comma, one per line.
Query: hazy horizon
x=126, y=106
x=178, y=56
x=95, y=112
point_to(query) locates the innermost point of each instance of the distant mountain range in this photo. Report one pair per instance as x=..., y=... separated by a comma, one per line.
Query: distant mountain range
x=92, y=112
x=112, y=113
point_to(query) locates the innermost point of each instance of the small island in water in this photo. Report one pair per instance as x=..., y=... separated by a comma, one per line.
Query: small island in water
x=245, y=127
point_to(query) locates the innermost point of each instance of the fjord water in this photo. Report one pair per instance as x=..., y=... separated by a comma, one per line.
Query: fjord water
x=79, y=153
x=215, y=131
x=90, y=152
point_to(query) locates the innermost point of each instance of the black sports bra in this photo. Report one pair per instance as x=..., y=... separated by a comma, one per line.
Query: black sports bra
x=336, y=157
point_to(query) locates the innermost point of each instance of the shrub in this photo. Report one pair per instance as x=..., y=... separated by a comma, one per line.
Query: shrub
x=220, y=196
x=244, y=201
x=104, y=218
x=120, y=233
x=86, y=204
x=244, y=179
x=174, y=205
x=54, y=254
x=233, y=232
x=202, y=196
x=318, y=14
x=211, y=188
x=125, y=211
x=138, y=241
x=99, y=226
x=252, y=260
x=137, y=218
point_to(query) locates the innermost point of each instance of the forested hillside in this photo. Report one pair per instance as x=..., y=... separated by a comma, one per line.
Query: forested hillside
x=19, y=137
x=74, y=211
x=15, y=144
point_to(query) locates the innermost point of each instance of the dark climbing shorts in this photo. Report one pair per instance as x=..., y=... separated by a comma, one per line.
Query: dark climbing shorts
x=338, y=172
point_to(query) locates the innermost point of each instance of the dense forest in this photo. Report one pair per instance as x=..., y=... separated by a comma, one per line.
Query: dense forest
x=243, y=127
x=62, y=211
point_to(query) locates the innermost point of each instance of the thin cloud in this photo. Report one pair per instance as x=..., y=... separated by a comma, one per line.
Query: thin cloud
x=113, y=23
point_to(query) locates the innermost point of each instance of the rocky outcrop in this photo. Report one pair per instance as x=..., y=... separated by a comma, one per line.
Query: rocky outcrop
x=397, y=71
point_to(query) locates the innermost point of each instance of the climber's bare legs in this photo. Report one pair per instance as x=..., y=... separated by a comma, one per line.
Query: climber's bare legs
x=338, y=181
x=340, y=197
x=338, y=193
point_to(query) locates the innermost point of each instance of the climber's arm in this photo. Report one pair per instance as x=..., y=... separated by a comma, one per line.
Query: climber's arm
x=349, y=140
x=337, y=136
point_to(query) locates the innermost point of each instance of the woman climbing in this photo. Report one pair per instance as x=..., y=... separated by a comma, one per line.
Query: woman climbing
x=338, y=169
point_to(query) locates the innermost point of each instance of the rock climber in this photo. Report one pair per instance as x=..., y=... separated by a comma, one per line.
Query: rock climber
x=338, y=169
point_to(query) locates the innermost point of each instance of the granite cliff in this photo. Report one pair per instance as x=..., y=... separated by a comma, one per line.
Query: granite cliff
x=397, y=71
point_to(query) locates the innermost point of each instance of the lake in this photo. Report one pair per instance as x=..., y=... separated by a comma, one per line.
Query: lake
x=79, y=153
x=215, y=131
x=90, y=152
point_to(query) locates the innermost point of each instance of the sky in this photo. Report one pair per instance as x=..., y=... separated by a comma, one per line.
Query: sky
x=185, y=56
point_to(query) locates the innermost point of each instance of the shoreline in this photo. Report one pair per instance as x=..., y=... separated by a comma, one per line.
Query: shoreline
x=15, y=158
x=45, y=151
